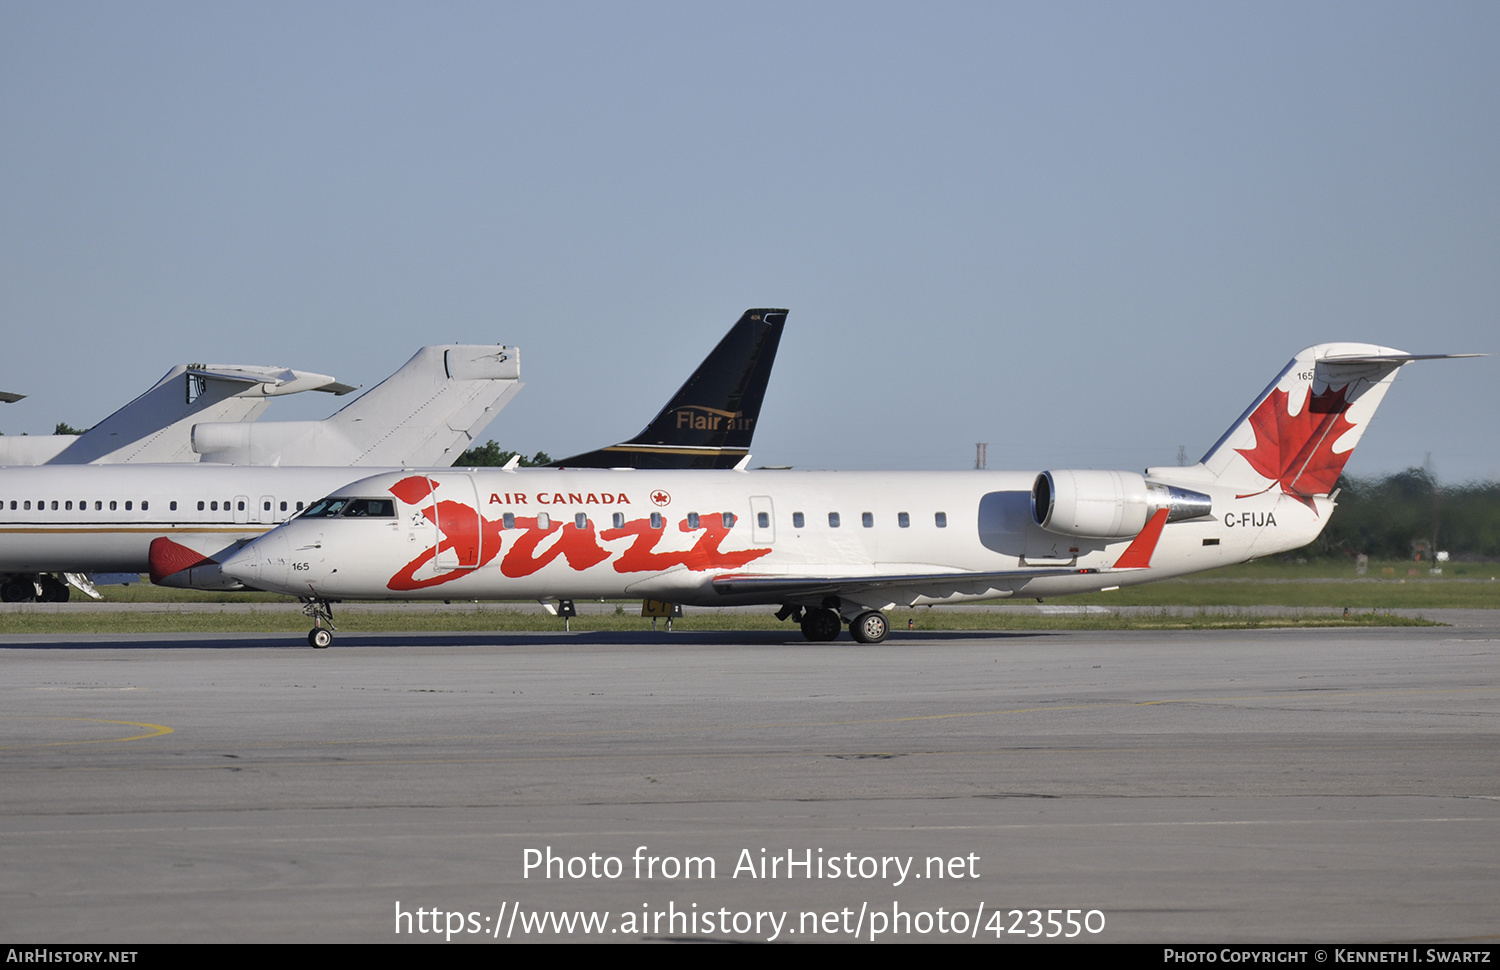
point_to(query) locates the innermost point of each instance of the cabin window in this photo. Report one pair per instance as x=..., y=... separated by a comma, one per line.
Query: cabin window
x=145, y=506
x=903, y=520
x=113, y=505
x=127, y=505
x=283, y=506
x=27, y=506
x=728, y=519
x=619, y=520
x=763, y=519
x=797, y=520
x=54, y=505
x=833, y=520
x=581, y=521
x=940, y=519
x=200, y=506
x=265, y=506
x=68, y=506
x=299, y=506
x=656, y=521
x=692, y=520
x=238, y=505
x=543, y=521
x=508, y=520
x=867, y=519
x=98, y=506
x=172, y=505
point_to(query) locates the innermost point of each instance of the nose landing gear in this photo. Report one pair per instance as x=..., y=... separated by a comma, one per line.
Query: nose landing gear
x=320, y=637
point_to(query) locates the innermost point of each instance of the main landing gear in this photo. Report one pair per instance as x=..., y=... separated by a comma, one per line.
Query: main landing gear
x=870, y=627
x=320, y=637
x=43, y=587
x=820, y=626
x=824, y=623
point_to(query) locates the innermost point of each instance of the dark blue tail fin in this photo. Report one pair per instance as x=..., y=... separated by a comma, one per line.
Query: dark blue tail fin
x=711, y=419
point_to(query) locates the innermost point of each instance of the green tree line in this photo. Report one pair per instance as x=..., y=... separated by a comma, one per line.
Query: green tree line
x=1408, y=514
x=489, y=454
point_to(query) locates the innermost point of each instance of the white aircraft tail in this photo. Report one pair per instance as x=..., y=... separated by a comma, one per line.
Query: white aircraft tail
x=155, y=426
x=425, y=414
x=1300, y=431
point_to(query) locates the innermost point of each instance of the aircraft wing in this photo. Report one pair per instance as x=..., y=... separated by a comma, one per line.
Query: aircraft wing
x=934, y=584
x=10, y=398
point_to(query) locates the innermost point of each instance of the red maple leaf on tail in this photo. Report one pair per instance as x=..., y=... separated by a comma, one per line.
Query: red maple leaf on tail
x=1296, y=451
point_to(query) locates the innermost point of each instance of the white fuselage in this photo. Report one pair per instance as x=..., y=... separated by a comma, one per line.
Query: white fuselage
x=103, y=518
x=569, y=534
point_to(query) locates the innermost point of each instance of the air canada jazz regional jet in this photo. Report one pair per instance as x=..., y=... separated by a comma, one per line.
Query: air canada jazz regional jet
x=832, y=548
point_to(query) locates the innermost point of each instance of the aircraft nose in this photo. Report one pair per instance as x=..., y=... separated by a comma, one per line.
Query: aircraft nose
x=262, y=564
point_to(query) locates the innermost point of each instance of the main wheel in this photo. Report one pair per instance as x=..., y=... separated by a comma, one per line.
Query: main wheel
x=53, y=590
x=319, y=638
x=870, y=627
x=16, y=591
x=820, y=626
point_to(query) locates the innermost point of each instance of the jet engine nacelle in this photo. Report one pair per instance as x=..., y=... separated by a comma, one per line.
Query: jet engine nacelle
x=1108, y=505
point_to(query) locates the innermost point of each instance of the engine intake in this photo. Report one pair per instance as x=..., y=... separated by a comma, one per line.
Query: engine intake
x=1108, y=505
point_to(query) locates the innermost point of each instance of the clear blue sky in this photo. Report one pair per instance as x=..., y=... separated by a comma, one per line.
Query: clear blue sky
x=1086, y=234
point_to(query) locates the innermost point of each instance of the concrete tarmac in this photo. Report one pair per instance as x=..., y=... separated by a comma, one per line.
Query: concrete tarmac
x=1267, y=785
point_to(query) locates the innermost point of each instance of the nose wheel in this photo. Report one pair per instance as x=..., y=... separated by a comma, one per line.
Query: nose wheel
x=320, y=637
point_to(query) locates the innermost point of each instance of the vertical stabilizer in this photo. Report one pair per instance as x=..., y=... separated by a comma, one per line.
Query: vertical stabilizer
x=1301, y=430
x=425, y=414
x=710, y=421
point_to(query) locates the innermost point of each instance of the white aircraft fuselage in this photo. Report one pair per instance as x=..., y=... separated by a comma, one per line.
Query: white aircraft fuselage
x=872, y=539
x=103, y=518
x=836, y=547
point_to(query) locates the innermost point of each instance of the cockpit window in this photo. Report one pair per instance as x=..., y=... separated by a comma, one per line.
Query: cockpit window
x=371, y=508
x=354, y=508
x=327, y=508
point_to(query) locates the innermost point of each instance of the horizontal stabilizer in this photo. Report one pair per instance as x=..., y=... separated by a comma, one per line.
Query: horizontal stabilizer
x=1392, y=358
x=277, y=381
x=156, y=426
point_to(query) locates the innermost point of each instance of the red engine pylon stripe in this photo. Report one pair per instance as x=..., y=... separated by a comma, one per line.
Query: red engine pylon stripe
x=1138, y=554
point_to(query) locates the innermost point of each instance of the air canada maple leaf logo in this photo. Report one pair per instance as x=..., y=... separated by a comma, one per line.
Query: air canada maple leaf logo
x=1296, y=451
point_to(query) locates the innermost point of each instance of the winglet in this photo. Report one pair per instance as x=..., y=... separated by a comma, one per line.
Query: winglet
x=167, y=558
x=1138, y=554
